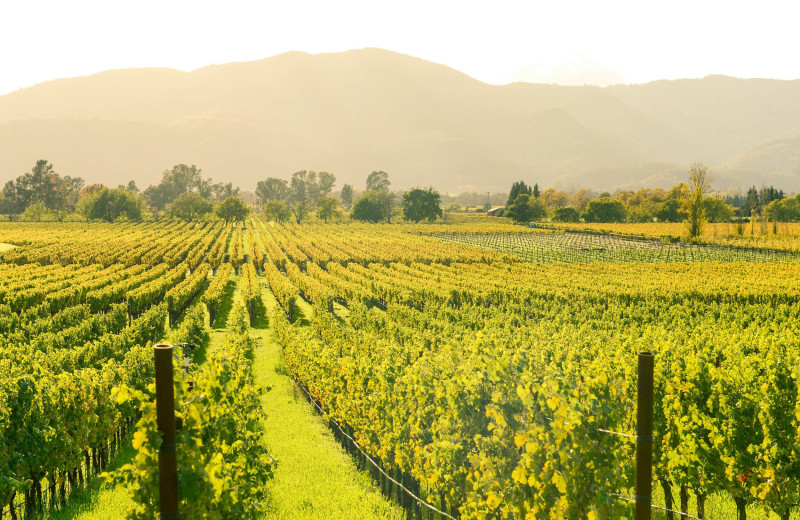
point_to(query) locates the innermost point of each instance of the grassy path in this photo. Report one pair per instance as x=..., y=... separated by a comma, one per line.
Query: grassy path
x=315, y=478
x=99, y=502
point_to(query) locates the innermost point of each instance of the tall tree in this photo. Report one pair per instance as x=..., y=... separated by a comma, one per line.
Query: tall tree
x=419, y=204
x=44, y=186
x=325, y=182
x=272, y=189
x=221, y=191
x=378, y=181
x=305, y=190
x=535, y=191
x=301, y=193
x=517, y=189
x=752, y=203
x=183, y=179
x=10, y=205
x=157, y=198
x=699, y=186
x=347, y=196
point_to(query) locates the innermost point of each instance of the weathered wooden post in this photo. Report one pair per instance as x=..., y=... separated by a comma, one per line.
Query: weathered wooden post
x=644, y=438
x=165, y=411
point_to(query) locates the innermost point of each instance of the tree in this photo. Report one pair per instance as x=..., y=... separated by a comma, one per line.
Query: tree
x=190, y=206
x=784, y=210
x=535, y=191
x=35, y=212
x=327, y=208
x=553, y=198
x=325, y=182
x=347, y=196
x=671, y=210
x=300, y=194
x=373, y=206
x=132, y=187
x=157, y=198
x=221, y=191
x=568, y=214
x=717, y=210
x=182, y=179
x=232, y=209
x=520, y=209
x=42, y=184
x=699, y=186
x=378, y=181
x=605, y=209
x=272, y=189
x=580, y=199
x=277, y=211
x=10, y=204
x=752, y=204
x=768, y=194
x=109, y=205
x=305, y=190
x=419, y=204
x=205, y=187
x=517, y=189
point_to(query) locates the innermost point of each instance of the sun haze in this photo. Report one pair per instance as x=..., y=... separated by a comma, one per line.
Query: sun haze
x=571, y=42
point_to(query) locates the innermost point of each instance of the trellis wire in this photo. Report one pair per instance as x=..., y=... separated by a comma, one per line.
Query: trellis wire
x=377, y=466
x=570, y=246
x=630, y=499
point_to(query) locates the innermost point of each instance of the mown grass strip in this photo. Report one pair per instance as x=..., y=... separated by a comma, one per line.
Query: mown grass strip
x=315, y=478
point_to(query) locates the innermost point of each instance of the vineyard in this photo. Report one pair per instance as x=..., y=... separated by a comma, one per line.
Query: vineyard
x=480, y=368
x=543, y=246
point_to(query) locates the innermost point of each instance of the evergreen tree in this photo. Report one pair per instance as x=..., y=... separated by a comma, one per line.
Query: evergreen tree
x=517, y=189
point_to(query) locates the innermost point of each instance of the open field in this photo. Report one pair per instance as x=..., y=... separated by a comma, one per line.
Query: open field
x=478, y=378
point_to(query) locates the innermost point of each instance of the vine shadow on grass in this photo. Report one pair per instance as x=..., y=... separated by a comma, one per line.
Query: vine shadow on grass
x=260, y=318
x=221, y=319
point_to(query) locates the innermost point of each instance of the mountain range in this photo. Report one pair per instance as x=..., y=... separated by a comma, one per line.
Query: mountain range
x=425, y=124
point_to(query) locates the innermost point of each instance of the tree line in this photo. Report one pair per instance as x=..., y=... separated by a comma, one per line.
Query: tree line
x=308, y=191
x=688, y=201
x=184, y=193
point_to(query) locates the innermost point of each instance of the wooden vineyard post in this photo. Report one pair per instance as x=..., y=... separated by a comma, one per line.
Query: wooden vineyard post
x=644, y=438
x=165, y=412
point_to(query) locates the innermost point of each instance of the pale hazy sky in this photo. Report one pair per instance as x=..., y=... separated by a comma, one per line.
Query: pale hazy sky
x=567, y=42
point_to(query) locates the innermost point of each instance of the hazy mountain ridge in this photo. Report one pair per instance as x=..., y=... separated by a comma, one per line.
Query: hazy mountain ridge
x=426, y=124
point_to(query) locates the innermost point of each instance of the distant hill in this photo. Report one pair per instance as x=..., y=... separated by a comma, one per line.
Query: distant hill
x=426, y=124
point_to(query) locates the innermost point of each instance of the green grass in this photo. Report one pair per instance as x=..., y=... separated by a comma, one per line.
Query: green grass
x=719, y=506
x=101, y=502
x=98, y=502
x=314, y=478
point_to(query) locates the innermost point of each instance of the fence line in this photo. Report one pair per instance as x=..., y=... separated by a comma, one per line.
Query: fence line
x=632, y=500
x=377, y=466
